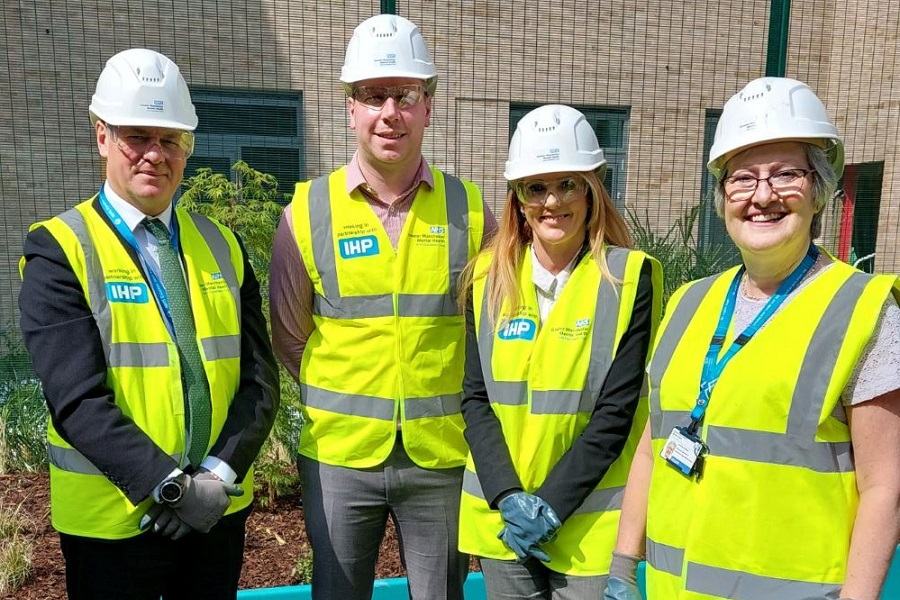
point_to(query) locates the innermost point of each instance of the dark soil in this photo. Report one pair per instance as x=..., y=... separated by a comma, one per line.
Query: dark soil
x=276, y=539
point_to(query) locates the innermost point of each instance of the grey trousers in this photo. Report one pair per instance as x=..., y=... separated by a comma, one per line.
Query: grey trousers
x=509, y=580
x=346, y=512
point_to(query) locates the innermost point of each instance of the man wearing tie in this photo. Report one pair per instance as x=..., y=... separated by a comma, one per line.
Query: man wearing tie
x=144, y=324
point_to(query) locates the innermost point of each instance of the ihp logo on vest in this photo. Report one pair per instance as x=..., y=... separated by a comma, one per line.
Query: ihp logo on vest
x=124, y=291
x=357, y=247
x=518, y=329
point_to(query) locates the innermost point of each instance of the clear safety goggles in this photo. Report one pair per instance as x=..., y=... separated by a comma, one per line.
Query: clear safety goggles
x=535, y=192
x=375, y=97
x=136, y=142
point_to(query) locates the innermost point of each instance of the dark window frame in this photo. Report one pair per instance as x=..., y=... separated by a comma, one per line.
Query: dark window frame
x=212, y=147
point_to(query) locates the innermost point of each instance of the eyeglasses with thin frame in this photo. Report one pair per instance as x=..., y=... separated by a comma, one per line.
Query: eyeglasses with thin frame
x=136, y=142
x=742, y=187
x=535, y=192
x=375, y=97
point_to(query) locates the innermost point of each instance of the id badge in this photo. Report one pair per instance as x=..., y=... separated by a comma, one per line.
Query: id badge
x=683, y=451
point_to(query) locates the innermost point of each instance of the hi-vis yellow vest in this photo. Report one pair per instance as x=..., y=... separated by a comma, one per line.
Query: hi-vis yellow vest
x=772, y=515
x=543, y=380
x=144, y=370
x=388, y=344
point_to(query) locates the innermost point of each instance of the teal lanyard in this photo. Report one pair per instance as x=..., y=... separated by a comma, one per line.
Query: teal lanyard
x=158, y=288
x=712, y=366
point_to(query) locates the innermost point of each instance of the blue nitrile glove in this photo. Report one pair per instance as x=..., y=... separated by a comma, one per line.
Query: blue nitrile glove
x=529, y=522
x=619, y=589
x=622, y=582
x=519, y=547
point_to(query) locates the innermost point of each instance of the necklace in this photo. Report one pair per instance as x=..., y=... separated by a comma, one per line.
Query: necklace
x=746, y=293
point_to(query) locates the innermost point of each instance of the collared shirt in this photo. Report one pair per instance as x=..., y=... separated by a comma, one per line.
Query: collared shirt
x=549, y=286
x=392, y=212
x=290, y=288
x=148, y=247
x=149, y=253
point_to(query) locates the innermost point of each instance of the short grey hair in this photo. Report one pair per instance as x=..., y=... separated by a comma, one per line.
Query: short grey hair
x=824, y=184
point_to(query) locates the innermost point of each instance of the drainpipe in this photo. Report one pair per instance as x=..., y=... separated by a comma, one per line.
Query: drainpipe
x=779, y=28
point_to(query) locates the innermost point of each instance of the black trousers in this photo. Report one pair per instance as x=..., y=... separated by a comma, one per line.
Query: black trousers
x=148, y=566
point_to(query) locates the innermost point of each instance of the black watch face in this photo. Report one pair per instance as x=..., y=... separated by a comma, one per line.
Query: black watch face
x=170, y=491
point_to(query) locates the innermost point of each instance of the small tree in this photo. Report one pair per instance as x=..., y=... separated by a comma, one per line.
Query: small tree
x=250, y=205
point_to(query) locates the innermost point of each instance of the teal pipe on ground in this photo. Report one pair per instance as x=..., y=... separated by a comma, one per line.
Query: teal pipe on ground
x=395, y=589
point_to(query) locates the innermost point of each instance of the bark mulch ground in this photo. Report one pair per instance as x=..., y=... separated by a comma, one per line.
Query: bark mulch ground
x=276, y=538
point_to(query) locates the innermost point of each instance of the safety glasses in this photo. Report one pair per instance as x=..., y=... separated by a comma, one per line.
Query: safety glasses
x=136, y=142
x=535, y=192
x=375, y=97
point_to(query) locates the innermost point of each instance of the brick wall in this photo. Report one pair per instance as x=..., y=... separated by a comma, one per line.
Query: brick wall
x=668, y=62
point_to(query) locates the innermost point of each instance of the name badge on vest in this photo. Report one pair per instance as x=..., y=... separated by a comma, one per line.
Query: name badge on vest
x=684, y=451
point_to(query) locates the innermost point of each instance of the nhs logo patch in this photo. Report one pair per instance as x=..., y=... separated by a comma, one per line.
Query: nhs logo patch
x=133, y=293
x=357, y=247
x=437, y=229
x=582, y=323
x=518, y=329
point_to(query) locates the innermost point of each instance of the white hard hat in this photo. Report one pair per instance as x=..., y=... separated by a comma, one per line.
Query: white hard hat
x=142, y=87
x=552, y=139
x=388, y=46
x=772, y=109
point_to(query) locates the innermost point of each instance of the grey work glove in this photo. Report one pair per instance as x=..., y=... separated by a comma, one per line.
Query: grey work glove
x=164, y=522
x=205, y=500
x=622, y=582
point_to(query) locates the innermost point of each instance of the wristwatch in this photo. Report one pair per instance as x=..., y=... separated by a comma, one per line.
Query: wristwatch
x=171, y=491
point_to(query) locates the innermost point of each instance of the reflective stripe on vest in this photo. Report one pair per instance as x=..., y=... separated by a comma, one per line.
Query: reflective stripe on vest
x=372, y=407
x=154, y=354
x=333, y=305
x=73, y=461
x=132, y=354
x=667, y=559
x=728, y=583
x=598, y=500
x=792, y=447
x=561, y=402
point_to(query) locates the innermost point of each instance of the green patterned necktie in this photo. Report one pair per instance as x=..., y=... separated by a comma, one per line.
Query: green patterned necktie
x=192, y=374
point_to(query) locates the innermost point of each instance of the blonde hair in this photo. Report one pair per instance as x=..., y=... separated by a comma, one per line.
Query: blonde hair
x=604, y=226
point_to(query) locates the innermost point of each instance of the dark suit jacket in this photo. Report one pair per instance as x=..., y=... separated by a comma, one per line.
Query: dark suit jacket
x=65, y=346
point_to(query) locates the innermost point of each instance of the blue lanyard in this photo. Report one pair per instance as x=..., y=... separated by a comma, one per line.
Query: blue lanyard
x=712, y=365
x=159, y=289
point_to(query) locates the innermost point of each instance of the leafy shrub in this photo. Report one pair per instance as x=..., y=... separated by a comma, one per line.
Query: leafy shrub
x=23, y=413
x=301, y=574
x=677, y=250
x=251, y=206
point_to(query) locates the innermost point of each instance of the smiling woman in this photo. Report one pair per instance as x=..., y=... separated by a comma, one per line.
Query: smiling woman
x=817, y=439
x=559, y=318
